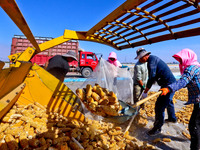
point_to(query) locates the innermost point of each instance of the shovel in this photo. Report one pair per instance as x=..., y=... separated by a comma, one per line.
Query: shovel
x=138, y=104
x=129, y=111
x=130, y=123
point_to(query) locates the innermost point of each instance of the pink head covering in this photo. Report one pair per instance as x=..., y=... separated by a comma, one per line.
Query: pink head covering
x=112, y=55
x=115, y=62
x=186, y=57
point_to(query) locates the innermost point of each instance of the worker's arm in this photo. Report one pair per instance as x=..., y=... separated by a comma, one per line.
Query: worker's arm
x=141, y=84
x=152, y=67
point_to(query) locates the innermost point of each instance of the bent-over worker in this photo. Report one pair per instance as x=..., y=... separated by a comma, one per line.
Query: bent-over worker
x=159, y=72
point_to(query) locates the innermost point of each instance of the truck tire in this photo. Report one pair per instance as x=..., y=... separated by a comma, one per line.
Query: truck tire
x=86, y=72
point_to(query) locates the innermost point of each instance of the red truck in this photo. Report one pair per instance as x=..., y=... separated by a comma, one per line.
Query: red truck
x=87, y=62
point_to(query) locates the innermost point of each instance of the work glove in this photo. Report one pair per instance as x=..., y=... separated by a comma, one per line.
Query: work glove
x=144, y=95
x=143, y=87
x=165, y=91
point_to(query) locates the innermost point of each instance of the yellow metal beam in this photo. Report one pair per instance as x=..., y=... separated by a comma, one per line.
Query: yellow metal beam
x=51, y=43
x=9, y=100
x=10, y=78
x=78, y=35
x=121, y=10
x=13, y=11
x=23, y=56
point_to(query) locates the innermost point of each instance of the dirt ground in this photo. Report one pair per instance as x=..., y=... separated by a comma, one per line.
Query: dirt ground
x=169, y=130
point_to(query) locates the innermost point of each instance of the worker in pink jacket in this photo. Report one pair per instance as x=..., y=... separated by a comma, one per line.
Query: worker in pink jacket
x=112, y=58
x=190, y=71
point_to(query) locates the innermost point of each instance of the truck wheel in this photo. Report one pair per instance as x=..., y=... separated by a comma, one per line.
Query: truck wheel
x=86, y=72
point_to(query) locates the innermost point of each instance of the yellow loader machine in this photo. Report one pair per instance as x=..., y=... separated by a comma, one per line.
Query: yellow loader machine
x=134, y=23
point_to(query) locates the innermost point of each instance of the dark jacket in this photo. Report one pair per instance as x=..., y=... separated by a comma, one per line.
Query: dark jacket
x=58, y=66
x=159, y=72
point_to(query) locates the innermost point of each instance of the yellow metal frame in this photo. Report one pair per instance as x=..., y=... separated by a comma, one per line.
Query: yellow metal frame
x=44, y=88
x=10, y=99
x=11, y=77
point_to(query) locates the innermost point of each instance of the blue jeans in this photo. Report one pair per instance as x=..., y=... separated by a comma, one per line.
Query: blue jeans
x=162, y=103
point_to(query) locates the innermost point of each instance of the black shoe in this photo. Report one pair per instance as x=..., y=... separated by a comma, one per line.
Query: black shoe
x=171, y=120
x=153, y=132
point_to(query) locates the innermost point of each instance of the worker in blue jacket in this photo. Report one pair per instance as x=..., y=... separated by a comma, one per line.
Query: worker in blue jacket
x=190, y=71
x=159, y=72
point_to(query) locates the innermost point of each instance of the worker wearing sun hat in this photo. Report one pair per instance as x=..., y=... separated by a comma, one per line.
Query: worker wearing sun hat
x=58, y=65
x=141, y=52
x=140, y=75
x=158, y=71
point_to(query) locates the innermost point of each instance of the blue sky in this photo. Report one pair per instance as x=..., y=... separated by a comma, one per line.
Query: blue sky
x=49, y=18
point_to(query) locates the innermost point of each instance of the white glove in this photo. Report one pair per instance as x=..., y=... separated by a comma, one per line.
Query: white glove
x=144, y=95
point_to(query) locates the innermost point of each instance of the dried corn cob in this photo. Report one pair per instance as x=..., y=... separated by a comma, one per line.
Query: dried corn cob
x=34, y=142
x=31, y=133
x=100, y=92
x=157, y=140
x=94, y=89
x=90, y=99
x=49, y=135
x=3, y=145
x=109, y=110
x=80, y=93
x=3, y=127
x=23, y=140
x=88, y=90
x=11, y=142
x=166, y=140
x=103, y=101
x=42, y=141
x=95, y=96
x=60, y=140
x=17, y=124
x=49, y=141
x=111, y=93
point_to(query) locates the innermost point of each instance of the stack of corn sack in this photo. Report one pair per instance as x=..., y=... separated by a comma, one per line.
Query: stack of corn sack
x=99, y=101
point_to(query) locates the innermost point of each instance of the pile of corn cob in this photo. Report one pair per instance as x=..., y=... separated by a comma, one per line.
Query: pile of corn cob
x=99, y=100
x=31, y=127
